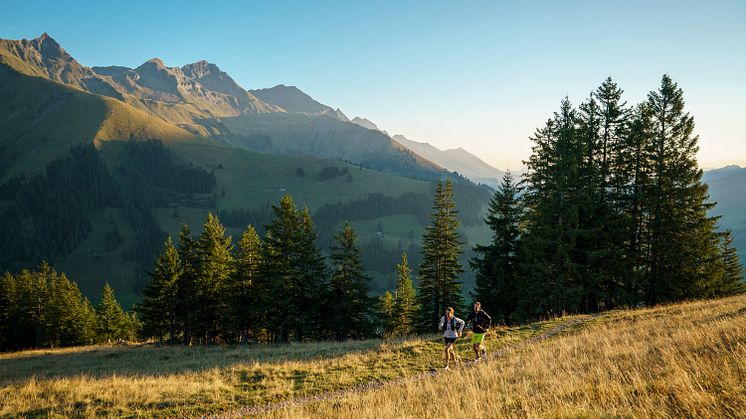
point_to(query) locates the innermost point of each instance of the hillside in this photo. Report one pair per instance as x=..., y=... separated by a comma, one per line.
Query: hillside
x=327, y=137
x=40, y=119
x=684, y=360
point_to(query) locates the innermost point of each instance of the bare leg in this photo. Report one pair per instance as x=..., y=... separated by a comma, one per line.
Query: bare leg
x=447, y=353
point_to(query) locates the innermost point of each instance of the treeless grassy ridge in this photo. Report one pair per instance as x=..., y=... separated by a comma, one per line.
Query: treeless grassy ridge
x=686, y=360
x=183, y=381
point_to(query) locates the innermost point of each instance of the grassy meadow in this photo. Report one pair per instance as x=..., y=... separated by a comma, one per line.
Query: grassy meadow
x=686, y=360
x=145, y=380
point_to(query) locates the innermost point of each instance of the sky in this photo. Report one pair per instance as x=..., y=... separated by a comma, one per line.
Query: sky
x=481, y=75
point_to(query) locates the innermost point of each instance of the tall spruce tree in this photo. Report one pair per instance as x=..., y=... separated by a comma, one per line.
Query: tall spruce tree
x=186, y=285
x=312, y=281
x=682, y=247
x=214, y=267
x=495, y=264
x=630, y=182
x=277, y=279
x=405, y=307
x=240, y=293
x=554, y=263
x=439, y=286
x=159, y=310
x=348, y=292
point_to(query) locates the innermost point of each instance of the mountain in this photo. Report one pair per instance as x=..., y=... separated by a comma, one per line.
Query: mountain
x=456, y=160
x=715, y=174
x=328, y=137
x=204, y=100
x=100, y=211
x=293, y=100
x=365, y=123
x=728, y=189
x=41, y=119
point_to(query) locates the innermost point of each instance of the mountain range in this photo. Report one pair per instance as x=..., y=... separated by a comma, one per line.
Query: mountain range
x=204, y=101
x=255, y=144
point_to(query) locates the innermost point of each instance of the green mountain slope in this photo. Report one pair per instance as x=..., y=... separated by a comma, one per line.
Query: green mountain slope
x=40, y=119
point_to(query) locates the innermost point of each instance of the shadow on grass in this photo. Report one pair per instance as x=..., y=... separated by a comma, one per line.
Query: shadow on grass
x=151, y=360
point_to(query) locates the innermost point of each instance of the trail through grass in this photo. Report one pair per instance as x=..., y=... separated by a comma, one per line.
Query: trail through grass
x=189, y=381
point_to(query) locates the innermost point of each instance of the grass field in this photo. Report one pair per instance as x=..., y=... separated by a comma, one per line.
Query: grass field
x=163, y=381
x=686, y=360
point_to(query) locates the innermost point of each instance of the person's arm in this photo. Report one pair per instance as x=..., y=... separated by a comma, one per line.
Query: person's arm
x=469, y=318
x=442, y=323
x=461, y=325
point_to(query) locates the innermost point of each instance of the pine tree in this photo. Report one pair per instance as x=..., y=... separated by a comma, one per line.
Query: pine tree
x=683, y=254
x=8, y=308
x=159, y=308
x=405, y=307
x=214, y=267
x=186, y=285
x=70, y=319
x=240, y=292
x=112, y=321
x=277, y=279
x=554, y=263
x=439, y=286
x=311, y=283
x=495, y=264
x=348, y=299
x=387, y=308
x=731, y=281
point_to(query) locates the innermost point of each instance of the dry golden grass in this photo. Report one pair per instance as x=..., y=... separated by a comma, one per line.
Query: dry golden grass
x=144, y=380
x=686, y=360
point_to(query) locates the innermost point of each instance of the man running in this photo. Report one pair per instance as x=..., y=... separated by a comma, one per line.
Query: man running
x=480, y=323
x=452, y=328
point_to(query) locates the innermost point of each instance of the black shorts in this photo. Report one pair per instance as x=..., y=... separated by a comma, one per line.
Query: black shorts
x=449, y=340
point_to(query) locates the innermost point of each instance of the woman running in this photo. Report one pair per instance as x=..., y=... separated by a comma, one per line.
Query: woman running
x=452, y=327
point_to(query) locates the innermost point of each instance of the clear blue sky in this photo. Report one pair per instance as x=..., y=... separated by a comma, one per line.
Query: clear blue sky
x=481, y=75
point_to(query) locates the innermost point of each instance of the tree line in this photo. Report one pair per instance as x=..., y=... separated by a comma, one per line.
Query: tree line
x=280, y=287
x=49, y=214
x=43, y=308
x=612, y=212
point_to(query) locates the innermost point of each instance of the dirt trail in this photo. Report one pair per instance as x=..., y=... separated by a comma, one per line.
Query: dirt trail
x=372, y=385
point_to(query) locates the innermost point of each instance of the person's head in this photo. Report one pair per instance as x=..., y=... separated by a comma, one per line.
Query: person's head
x=477, y=306
x=449, y=312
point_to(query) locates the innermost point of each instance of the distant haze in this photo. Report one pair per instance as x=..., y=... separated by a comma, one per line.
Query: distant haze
x=481, y=75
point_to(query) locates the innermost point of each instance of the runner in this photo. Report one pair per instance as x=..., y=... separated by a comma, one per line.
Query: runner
x=480, y=323
x=452, y=328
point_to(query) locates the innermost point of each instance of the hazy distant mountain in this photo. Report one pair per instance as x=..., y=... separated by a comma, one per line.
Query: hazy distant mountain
x=728, y=189
x=293, y=100
x=365, y=123
x=456, y=160
x=714, y=174
x=326, y=136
